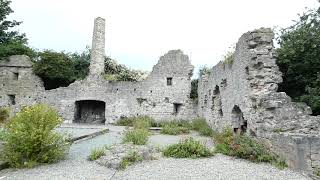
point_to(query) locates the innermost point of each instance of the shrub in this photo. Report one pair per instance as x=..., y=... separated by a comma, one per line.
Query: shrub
x=136, y=136
x=245, y=147
x=125, y=122
x=173, y=128
x=4, y=115
x=96, y=153
x=131, y=158
x=142, y=122
x=317, y=172
x=202, y=127
x=188, y=148
x=137, y=122
x=30, y=137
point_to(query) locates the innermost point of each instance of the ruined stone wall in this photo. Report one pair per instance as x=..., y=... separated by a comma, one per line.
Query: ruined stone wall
x=248, y=101
x=152, y=97
x=19, y=86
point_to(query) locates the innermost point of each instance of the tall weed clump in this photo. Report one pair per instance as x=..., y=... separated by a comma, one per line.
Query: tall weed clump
x=246, y=147
x=30, y=138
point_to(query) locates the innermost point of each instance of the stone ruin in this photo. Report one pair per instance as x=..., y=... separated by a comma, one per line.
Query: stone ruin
x=240, y=94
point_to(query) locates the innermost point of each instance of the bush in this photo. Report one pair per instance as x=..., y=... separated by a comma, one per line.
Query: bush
x=142, y=122
x=96, y=153
x=4, y=115
x=131, y=158
x=245, y=147
x=138, y=122
x=188, y=148
x=317, y=172
x=174, y=128
x=136, y=136
x=202, y=127
x=30, y=137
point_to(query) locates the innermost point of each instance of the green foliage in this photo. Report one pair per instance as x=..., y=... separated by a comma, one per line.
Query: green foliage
x=96, y=153
x=11, y=42
x=6, y=35
x=194, y=89
x=55, y=69
x=138, y=122
x=136, y=136
x=131, y=158
x=188, y=148
x=2, y=133
x=142, y=122
x=174, y=128
x=317, y=172
x=204, y=71
x=298, y=59
x=228, y=58
x=118, y=72
x=245, y=147
x=30, y=137
x=4, y=114
x=15, y=48
x=202, y=127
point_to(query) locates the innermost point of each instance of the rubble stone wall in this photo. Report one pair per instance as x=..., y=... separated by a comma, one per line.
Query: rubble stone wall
x=248, y=101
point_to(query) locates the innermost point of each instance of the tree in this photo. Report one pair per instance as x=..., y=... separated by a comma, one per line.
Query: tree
x=11, y=42
x=55, y=69
x=299, y=59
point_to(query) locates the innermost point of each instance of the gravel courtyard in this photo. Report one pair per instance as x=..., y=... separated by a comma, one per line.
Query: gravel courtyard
x=76, y=166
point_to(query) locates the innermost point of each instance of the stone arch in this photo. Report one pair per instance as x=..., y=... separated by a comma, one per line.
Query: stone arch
x=239, y=124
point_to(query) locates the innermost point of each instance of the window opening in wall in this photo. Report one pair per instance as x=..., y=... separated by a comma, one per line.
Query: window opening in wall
x=247, y=70
x=12, y=99
x=223, y=83
x=176, y=108
x=15, y=76
x=205, y=99
x=239, y=124
x=169, y=81
x=216, y=90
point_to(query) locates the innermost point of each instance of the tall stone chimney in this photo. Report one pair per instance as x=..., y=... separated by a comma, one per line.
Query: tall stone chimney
x=98, y=48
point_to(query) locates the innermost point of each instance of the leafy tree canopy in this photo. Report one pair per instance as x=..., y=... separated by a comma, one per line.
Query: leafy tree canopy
x=299, y=59
x=11, y=42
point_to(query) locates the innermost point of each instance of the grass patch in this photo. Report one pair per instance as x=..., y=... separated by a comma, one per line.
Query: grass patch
x=317, y=172
x=96, y=153
x=202, y=127
x=175, y=128
x=4, y=115
x=2, y=133
x=188, y=148
x=136, y=136
x=245, y=147
x=137, y=122
x=131, y=158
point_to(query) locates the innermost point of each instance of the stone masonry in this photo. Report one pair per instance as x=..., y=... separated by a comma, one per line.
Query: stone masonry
x=240, y=94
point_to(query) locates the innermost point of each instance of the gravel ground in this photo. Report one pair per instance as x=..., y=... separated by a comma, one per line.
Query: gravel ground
x=218, y=167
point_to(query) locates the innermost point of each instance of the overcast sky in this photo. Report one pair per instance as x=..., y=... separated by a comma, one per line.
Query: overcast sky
x=138, y=32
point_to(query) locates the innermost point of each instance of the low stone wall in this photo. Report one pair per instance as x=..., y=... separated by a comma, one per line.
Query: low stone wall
x=302, y=151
